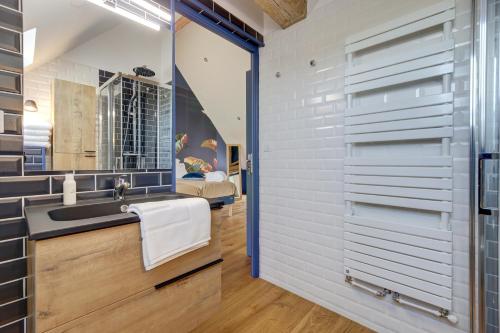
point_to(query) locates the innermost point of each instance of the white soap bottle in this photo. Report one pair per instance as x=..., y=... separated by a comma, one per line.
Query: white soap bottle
x=69, y=190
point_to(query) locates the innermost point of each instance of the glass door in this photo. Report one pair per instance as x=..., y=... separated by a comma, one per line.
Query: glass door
x=487, y=101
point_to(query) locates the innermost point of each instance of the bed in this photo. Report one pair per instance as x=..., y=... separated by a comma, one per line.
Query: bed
x=206, y=189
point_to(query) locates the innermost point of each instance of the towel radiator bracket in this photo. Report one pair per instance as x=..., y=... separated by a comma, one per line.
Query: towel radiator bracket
x=373, y=291
x=439, y=312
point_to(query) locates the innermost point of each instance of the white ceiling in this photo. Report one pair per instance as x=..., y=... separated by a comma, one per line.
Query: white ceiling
x=64, y=24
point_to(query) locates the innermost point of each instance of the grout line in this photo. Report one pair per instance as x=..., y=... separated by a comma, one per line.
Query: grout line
x=12, y=260
x=13, y=322
x=11, y=239
x=10, y=281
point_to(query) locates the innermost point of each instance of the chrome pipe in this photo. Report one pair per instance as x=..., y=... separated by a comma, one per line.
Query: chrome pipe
x=435, y=312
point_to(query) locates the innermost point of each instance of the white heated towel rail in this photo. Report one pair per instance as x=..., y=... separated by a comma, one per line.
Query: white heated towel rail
x=385, y=64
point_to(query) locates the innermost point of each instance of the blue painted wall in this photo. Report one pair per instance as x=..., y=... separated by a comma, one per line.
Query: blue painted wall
x=193, y=127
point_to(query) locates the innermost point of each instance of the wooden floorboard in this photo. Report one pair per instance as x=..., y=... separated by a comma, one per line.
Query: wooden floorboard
x=254, y=305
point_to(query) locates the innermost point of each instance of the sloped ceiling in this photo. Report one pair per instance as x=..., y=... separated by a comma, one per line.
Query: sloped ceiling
x=64, y=24
x=216, y=70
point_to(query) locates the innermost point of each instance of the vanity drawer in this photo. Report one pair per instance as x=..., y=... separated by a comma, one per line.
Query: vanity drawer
x=78, y=274
x=176, y=308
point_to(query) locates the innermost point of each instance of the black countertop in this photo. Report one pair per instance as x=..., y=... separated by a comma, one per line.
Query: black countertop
x=46, y=221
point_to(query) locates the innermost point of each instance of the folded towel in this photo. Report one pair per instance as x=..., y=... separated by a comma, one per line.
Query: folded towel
x=36, y=144
x=216, y=176
x=172, y=228
x=36, y=138
x=41, y=125
x=34, y=132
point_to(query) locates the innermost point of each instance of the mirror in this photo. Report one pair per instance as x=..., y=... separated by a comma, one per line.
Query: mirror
x=234, y=167
x=97, y=85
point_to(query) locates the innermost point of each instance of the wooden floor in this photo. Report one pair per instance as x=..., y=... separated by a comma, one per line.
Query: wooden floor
x=254, y=305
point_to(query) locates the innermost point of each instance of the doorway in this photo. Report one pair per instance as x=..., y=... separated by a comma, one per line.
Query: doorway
x=247, y=191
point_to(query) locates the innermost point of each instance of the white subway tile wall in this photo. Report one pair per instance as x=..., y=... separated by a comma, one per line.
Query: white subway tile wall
x=302, y=158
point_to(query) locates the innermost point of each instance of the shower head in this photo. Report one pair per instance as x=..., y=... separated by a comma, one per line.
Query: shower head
x=144, y=71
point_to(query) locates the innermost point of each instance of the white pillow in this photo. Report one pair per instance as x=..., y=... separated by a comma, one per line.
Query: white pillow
x=216, y=176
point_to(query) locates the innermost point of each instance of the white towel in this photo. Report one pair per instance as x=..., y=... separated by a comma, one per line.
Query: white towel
x=216, y=176
x=36, y=138
x=40, y=125
x=36, y=144
x=34, y=132
x=172, y=228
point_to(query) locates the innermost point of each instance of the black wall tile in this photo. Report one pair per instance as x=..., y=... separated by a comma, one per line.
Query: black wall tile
x=136, y=191
x=88, y=172
x=43, y=200
x=145, y=179
x=11, y=61
x=24, y=186
x=10, y=40
x=166, y=178
x=17, y=327
x=11, y=291
x=11, y=208
x=11, y=102
x=11, y=144
x=83, y=183
x=10, y=82
x=94, y=195
x=160, y=189
x=11, y=19
x=14, y=4
x=107, y=182
x=12, y=270
x=13, y=311
x=12, y=229
x=13, y=123
x=43, y=172
x=11, y=249
x=11, y=166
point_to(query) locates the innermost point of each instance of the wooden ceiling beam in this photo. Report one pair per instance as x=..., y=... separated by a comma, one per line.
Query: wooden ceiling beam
x=284, y=12
x=181, y=23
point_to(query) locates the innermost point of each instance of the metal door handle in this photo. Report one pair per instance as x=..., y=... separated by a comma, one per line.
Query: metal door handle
x=480, y=186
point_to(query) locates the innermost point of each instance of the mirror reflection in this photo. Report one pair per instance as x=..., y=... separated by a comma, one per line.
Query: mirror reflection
x=97, y=85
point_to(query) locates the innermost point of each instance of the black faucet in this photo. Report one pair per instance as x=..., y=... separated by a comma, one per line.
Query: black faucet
x=121, y=187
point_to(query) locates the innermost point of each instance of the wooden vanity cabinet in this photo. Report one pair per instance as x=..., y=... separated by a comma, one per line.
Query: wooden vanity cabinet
x=95, y=282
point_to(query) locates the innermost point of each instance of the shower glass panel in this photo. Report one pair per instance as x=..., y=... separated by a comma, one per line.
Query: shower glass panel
x=488, y=55
x=135, y=123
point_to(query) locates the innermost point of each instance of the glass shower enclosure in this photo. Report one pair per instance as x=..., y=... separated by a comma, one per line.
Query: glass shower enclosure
x=134, y=124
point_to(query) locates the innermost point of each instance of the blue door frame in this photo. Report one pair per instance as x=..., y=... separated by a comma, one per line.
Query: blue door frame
x=253, y=48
